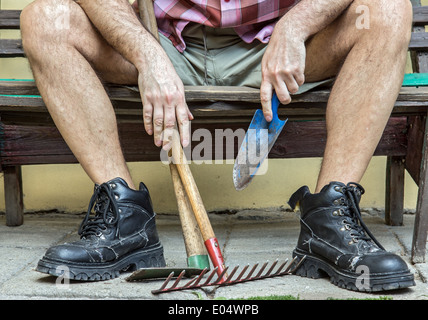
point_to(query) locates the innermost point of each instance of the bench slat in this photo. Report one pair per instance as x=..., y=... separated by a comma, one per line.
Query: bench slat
x=201, y=93
x=419, y=41
x=11, y=48
x=9, y=19
x=38, y=145
x=420, y=15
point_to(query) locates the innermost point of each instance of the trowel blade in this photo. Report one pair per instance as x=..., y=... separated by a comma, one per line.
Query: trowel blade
x=258, y=142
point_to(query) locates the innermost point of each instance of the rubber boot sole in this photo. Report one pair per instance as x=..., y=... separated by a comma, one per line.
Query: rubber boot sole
x=143, y=258
x=315, y=268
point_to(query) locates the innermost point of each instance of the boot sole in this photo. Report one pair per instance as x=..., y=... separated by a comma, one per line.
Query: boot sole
x=315, y=268
x=143, y=258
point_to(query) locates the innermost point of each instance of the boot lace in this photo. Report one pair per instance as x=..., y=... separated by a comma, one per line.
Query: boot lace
x=353, y=191
x=105, y=209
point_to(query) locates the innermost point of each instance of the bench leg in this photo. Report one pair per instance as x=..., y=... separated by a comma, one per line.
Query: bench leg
x=13, y=196
x=421, y=224
x=394, y=191
x=421, y=219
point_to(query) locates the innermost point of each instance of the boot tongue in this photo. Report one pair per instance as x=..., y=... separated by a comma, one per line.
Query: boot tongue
x=352, y=193
x=105, y=213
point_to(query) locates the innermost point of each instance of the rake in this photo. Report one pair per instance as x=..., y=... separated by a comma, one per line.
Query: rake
x=199, y=281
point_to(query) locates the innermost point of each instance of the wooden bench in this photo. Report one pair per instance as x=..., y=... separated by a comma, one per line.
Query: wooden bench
x=28, y=135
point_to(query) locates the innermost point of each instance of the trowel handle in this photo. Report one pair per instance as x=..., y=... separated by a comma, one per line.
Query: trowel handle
x=274, y=105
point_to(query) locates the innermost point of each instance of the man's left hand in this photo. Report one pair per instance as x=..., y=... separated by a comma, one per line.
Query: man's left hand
x=283, y=67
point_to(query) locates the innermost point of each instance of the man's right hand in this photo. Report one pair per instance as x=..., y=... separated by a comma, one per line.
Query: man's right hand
x=161, y=89
x=164, y=104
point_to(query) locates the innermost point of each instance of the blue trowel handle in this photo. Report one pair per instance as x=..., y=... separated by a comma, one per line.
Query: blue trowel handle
x=274, y=106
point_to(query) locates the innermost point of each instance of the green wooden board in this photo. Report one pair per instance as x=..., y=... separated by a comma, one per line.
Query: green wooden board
x=415, y=79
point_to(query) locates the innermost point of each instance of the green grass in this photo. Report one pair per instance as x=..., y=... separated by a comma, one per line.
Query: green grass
x=374, y=298
x=271, y=297
x=290, y=297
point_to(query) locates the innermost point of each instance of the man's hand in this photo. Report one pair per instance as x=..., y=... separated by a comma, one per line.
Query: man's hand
x=283, y=67
x=164, y=104
x=283, y=63
x=161, y=89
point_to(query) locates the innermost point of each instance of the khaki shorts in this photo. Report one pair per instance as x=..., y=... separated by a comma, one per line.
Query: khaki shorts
x=219, y=57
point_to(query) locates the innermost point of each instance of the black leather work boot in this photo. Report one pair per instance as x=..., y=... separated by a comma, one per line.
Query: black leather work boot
x=338, y=244
x=118, y=233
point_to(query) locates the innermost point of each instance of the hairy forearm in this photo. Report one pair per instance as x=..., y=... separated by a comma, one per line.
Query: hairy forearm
x=311, y=16
x=118, y=24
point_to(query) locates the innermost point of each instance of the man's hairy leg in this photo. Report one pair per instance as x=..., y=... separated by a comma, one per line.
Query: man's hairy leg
x=371, y=63
x=64, y=49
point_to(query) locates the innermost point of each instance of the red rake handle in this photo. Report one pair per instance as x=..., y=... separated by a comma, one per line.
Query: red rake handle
x=216, y=257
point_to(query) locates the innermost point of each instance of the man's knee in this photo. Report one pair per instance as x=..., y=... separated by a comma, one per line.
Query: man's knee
x=44, y=21
x=383, y=15
x=389, y=22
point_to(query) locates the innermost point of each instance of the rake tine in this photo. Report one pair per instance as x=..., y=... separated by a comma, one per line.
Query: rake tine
x=278, y=272
x=177, y=280
x=291, y=264
x=271, y=268
x=201, y=275
x=298, y=264
x=251, y=272
x=261, y=270
x=190, y=284
x=210, y=277
x=231, y=275
x=220, y=277
x=167, y=280
x=242, y=272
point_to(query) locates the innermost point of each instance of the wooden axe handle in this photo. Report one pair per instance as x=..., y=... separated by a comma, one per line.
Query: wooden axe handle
x=191, y=188
x=192, y=236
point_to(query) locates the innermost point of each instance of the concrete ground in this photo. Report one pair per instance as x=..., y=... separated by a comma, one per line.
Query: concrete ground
x=246, y=237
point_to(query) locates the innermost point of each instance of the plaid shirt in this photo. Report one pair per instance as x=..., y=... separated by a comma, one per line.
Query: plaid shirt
x=251, y=19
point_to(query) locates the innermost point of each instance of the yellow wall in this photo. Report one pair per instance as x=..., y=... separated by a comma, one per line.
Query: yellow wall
x=66, y=187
